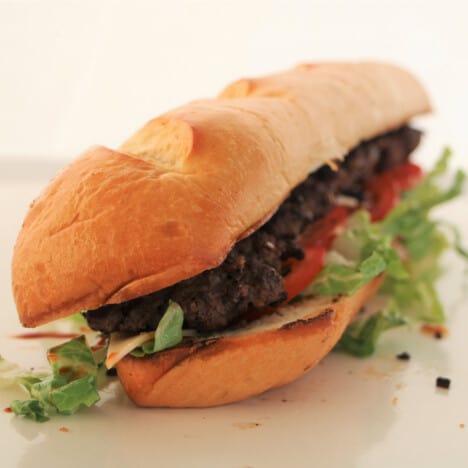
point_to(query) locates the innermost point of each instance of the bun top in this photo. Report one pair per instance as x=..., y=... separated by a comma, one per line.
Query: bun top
x=176, y=196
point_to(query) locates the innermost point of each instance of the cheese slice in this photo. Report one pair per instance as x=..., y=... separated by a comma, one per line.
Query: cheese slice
x=121, y=344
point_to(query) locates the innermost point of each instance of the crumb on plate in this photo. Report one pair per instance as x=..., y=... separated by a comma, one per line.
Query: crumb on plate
x=404, y=356
x=443, y=382
x=437, y=331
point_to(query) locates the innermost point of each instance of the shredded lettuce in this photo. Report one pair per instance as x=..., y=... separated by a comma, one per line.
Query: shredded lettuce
x=456, y=243
x=78, y=319
x=76, y=372
x=359, y=254
x=365, y=250
x=30, y=409
x=360, y=338
x=11, y=373
x=167, y=334
x=70, y=386
x=409, y=220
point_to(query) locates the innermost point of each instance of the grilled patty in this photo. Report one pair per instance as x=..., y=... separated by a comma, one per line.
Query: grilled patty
x=250, y=276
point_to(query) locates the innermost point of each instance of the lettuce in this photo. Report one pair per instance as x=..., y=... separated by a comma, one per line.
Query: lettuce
x=167, y=334
x=456, y=243
x=365, y=250
x=70, y=386
x=409, y=220
x=73, y=381
x=11, y=374
x=30, y=409
x=78, y=319
x=360, y=338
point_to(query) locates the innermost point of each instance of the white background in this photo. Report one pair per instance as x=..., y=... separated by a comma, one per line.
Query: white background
x=76, y=73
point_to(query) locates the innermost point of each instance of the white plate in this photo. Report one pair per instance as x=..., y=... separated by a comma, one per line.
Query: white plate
x=347, y=412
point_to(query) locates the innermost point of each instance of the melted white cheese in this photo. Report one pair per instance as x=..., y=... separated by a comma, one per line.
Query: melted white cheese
x=121, y=344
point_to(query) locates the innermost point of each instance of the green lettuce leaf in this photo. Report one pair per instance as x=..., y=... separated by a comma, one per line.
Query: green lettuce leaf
x=360, y=338
x=365, y=249
x=70, y=386
x=78, y=319
x=31, y=409
x=409, y=220
x=456, y=243
x=359, y=254
x=167, y=334
x=11, y=374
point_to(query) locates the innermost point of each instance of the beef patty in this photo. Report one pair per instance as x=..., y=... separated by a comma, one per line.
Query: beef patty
x=251, y=276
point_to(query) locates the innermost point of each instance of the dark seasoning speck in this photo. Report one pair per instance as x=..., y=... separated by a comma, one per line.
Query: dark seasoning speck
x=443, y=382
x=404, y=356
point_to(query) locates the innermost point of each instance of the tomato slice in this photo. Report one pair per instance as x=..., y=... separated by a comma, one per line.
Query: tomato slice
x=324, y=230
x=315, y=241
x=304, y=271
x=384, y=195
x=405, y=176
x=386, y=188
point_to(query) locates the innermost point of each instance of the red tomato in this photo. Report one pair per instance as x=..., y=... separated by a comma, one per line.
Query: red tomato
x=304, y=271
x=324, y=231
x=405, y=176
x=386, y=188
x=315, y=241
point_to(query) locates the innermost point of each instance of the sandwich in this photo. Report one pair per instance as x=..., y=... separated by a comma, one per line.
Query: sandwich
x=227, y=246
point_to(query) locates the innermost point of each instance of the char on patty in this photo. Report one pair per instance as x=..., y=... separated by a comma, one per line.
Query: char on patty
x=251, y=275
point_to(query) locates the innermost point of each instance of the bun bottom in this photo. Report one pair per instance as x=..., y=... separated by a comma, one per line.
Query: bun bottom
x=268, y=353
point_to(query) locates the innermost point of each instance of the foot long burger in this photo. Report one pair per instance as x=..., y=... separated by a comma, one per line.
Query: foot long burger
x=226, y=246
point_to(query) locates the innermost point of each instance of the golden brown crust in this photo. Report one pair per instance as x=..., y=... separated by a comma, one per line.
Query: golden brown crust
x=344, y=102
x=115, y=225
x=232, y=368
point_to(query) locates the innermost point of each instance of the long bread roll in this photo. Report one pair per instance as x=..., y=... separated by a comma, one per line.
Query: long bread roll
x=172, y=201
x=271, y=352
